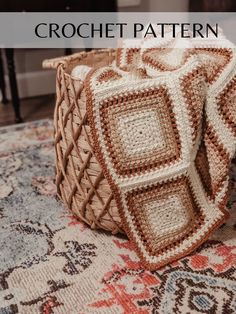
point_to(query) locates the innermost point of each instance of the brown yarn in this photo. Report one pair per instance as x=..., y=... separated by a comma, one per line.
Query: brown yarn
x=79, y=177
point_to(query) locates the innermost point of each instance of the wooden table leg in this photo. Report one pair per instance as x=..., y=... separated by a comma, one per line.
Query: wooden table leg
x=2, y=81
x=68, y=51
x=13, y=83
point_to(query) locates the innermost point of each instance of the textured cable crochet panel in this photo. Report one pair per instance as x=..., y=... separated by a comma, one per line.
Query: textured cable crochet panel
x=163, y=124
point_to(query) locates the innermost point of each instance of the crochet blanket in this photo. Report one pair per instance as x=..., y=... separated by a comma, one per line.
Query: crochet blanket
x=163, y=124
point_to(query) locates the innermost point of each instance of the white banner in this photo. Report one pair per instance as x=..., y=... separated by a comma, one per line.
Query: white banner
x=103, y=30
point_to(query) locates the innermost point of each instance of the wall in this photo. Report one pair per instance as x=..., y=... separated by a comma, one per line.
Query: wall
x=32, y=80
x=143, y=6
x=168, y=5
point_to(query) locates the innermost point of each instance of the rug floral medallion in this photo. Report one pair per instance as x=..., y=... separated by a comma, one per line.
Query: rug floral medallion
x=52, y=263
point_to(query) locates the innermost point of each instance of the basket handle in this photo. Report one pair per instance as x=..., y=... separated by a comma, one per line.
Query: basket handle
x=55, y=62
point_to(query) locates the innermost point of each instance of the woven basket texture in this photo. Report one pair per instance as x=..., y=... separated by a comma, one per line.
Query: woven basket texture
x=79, y=178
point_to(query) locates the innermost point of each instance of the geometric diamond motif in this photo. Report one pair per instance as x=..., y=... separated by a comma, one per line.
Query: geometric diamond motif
x=140, y=131
x=214, y=60
x=169, y=211
x=136, y=137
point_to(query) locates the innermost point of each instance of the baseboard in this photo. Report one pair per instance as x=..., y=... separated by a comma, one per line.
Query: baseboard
x=33, y=84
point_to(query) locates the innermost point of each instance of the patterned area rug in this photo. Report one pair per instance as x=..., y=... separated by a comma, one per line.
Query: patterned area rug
x=51, y=263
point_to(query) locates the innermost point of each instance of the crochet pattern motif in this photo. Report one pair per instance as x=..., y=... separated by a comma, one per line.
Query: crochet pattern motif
x=164, y=134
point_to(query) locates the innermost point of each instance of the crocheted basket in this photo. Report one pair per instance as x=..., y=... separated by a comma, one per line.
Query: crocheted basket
x=79, y=178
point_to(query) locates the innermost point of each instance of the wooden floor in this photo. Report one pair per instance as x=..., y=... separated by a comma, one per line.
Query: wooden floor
x=31, y=109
